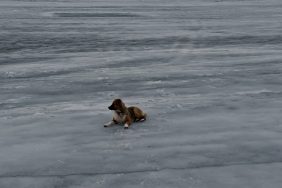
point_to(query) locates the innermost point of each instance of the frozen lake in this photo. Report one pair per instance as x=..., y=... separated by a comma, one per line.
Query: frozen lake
x=207, y=72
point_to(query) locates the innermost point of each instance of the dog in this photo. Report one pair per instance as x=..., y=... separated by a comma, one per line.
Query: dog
x=124, y=115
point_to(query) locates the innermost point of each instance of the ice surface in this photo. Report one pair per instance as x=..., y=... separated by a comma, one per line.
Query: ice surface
x=208, y=73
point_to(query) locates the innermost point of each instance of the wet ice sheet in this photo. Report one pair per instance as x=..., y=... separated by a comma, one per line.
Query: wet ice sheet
x=208, y=73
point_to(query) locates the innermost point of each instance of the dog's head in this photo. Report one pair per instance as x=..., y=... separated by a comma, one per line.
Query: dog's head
x=117, y=105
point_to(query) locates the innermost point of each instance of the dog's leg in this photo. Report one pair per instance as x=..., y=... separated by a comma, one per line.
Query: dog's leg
x=127, y=121
x=109, y=123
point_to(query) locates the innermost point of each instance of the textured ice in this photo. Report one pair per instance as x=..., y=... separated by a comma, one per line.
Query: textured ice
x=208, y=73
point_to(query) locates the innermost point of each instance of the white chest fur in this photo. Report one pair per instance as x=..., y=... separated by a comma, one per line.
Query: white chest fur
x=118, y=117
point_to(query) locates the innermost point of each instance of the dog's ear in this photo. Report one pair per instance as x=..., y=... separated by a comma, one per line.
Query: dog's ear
x=118, y=101
x=120, y=104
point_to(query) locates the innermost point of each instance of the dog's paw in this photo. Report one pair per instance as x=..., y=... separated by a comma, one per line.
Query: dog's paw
x=109, y=124
x=143, y=119
x=126, y=126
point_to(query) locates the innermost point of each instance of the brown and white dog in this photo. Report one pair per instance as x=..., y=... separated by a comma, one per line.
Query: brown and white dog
x=124, y=115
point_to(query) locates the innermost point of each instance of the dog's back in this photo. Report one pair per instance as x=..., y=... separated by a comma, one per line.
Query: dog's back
x=136, y=113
